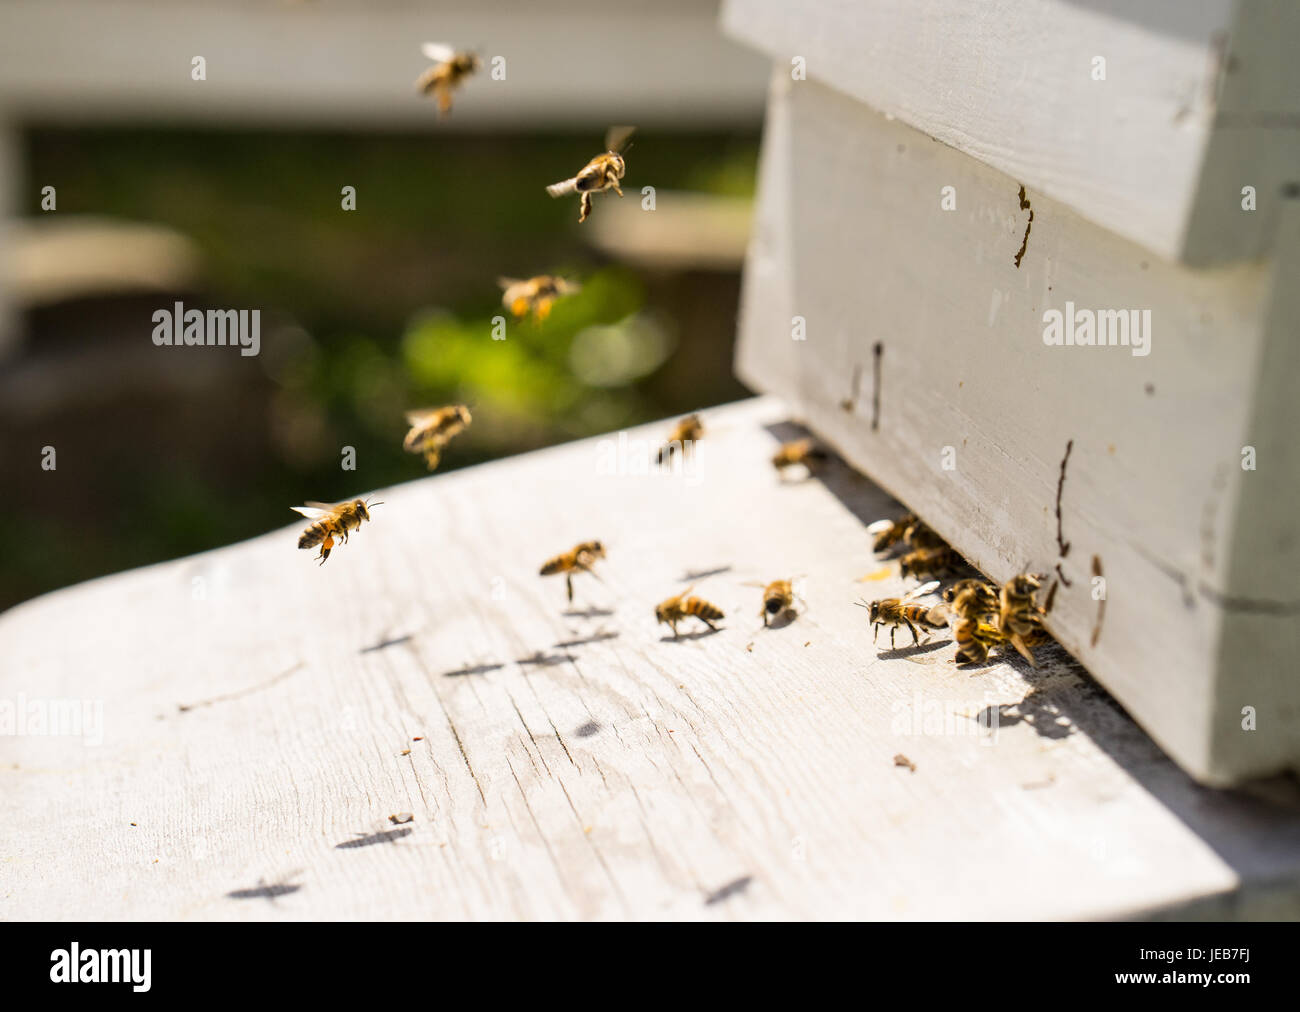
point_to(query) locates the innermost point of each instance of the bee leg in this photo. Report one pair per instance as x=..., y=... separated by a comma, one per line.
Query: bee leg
x=325, y=547
x=673, y=627
x=617, y=189
x=568, y=582
x=1018, y=642
x=584, y=208
x=916, y=640
x=708, y=623
x=875, y=631
x=892, y=629
x=764, y=614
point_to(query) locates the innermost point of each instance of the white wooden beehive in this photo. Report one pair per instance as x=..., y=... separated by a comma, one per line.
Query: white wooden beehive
x=912, y=336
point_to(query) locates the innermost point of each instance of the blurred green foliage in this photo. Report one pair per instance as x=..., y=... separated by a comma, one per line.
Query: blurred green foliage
x=365, y=313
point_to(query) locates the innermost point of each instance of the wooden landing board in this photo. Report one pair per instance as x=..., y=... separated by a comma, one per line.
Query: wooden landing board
x=262, y=718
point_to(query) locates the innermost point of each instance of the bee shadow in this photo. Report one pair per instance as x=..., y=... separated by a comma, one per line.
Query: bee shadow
x=546, y=660
x=785, y=618
x=263, y=892
x=916, y=648
x=587, y=613
x=699, y=634
x=385, y=644
x=699, y=574
x=593, y=638
x=385, y=836
x=477, y=669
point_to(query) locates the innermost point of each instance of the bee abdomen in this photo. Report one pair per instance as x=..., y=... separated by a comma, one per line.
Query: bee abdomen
x=702, y=608
x=313, y=536
x=553, y=566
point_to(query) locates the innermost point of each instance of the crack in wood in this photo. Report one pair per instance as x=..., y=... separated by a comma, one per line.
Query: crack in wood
x=228, y=697
x=1024, y=243
x=1101, y=603
x=877, y=354
x=1062, y=546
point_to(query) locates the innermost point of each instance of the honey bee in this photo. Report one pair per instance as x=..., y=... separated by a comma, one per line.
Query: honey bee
x=601, y=173
x=889, y=533
x=675, y=609
x=925, y=562
x=684, y=435
x=432, y=429
x=331, y=521
x=798, y=451
x=451, y=67
x=778, y=597
x=975, y=638
x=1019, y=617
x=918, y=535
x=577, y=559
x=899, y=611
x=535, y=295
x=972, y=598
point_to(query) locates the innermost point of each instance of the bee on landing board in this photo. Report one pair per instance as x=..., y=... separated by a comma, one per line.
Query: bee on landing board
x=778, y=597
x=578, y=559
x=601, y=173
x=899, y=611
x=330, y=521
x=926, y=562
x=889, y=533
x=451, y=68
x=535, y=295
x=1020, y=619
x=675, y=609
x=685, y=435
x=432, y=429
x=796, y=452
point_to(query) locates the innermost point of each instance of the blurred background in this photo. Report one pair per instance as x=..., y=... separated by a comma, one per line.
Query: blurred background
x=227, y=192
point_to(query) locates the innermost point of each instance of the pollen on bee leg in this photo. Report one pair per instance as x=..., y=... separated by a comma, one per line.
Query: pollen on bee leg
x=519, y=307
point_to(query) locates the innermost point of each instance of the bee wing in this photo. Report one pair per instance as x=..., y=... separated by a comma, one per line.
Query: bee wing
x=420, y=415
x=879, y=526
x=313, y=510
x=565, y=287
x=563, y=188
x=921, y=591
x=439, y=52
x=616, y=137
x=508, y=283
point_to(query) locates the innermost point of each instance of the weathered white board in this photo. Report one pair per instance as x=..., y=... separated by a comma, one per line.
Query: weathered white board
x=1199, y=99
x=966, y=414
x=257, y=713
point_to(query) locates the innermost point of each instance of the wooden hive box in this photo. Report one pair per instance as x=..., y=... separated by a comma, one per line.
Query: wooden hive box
x=944, y=189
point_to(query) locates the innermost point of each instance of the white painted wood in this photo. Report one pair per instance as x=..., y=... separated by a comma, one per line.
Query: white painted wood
x=1201, y=558
x=1199, y=99
x=582, y=766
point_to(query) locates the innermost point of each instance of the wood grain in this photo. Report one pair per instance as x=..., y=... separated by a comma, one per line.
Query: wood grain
x=1198, y=100
x=923, y=362
x=583, y=766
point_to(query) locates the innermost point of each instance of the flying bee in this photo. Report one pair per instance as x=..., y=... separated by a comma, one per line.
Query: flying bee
x=684, y=435
x=778, y=597
x=798, y=451
x=578, y=559
x=451, y=68
x=432, y=429
x=535, y=295
x=930, y=562
x=975, y=638
x=899, y=611
x=601, y=173
x=675, y=609
x=1019, y=616
x=889, y=533
x=331, y=521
